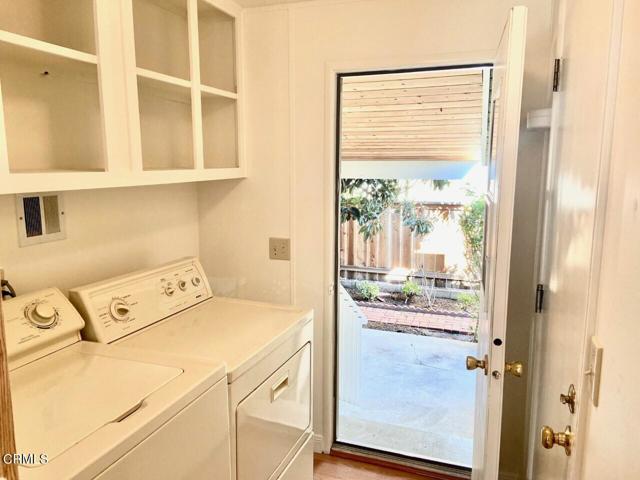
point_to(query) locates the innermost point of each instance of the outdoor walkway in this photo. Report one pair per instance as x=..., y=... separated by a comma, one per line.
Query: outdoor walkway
x=444, y=323
x=415, y=398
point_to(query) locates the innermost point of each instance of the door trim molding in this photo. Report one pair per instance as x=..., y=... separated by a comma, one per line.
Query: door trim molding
x=332, y=70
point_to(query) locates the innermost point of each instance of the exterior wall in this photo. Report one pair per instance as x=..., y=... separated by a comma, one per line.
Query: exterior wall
x=289, y=49
x=109, y=232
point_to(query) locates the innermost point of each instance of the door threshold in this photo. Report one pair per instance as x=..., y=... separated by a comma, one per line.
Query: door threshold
x=429, y=470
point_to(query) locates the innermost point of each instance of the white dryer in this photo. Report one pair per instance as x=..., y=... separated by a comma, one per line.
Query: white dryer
x=84, y=410
x=267, y=350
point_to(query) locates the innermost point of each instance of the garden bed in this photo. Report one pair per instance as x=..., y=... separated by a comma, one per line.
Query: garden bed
x=418, y=303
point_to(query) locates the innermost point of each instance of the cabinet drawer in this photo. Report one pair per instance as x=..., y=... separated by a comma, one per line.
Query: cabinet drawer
x=272, y=420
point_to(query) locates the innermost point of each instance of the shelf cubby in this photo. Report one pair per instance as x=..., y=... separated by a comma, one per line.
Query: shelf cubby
x=166, y=129
x=219, y=131
x=217, y=42
x=51, y=109
x=161, y=33
x=67, y=23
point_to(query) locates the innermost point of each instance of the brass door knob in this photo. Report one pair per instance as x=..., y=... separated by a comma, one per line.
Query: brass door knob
x=473, y=363
x=514, y=368
x=569, y=399
x=549, y=438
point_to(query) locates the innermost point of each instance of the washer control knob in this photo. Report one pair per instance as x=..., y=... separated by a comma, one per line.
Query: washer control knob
x=169, y=290
x=42, y=315
x=119, y=309
x=196, y=281
x=182, y=285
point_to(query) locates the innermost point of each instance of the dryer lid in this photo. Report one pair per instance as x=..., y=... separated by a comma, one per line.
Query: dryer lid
x=63, y=398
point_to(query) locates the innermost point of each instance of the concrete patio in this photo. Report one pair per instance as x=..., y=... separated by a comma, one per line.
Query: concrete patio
x=414, y=397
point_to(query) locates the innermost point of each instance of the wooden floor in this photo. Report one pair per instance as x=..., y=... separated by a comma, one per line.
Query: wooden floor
x=328, y=467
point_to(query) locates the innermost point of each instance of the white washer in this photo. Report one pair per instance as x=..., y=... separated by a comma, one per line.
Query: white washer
x=266, y=348
x=107, y=412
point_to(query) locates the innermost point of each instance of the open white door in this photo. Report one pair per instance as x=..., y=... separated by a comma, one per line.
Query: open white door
x=505, y=107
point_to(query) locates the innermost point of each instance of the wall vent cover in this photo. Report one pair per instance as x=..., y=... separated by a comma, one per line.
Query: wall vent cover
x=40, y=218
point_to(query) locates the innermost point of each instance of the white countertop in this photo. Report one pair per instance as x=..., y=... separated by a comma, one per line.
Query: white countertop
x=237, y=332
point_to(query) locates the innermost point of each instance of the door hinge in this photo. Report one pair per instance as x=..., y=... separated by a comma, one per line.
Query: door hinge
x=556, y=74
x=539, y=297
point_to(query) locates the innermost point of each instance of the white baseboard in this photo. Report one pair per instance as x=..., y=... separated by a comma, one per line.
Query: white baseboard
x=318, y=443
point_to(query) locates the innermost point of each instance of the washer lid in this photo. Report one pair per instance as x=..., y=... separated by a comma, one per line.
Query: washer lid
x=65, y=397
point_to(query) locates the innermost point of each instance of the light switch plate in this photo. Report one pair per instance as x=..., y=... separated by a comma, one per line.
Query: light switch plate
x=595, y=369
x=279, y=249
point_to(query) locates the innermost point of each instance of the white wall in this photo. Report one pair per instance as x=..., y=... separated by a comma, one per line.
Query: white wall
x=289, y=192
x=109, y=232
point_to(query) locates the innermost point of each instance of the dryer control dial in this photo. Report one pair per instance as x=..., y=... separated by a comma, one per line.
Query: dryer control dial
x=41, y=315
x=119, y=309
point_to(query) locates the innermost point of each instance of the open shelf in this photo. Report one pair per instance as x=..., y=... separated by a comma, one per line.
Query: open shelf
x=18, y=46
x=217, y=31
x=165, y=125
x=206, y=90
x=162, y=78
x=52, y=111
x=67, y=23
x=67, y=124
x=161, y=33
x=219, y=131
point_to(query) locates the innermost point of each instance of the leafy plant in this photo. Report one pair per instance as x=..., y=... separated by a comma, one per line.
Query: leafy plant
x=410, y=289
x=364, y=200
x=472, y=225
x=367, y=290
x=410, y=218
x=470, y=302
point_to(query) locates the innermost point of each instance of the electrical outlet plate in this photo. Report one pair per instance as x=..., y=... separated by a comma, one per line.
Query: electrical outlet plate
x=279, y=249
x=595, y=369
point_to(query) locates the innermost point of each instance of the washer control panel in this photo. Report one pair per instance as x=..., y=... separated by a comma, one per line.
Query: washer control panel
x=120, y=306
x=39, y=323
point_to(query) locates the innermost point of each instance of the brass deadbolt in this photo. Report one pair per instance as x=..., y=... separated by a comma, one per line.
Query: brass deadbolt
x=569, y=399
x=549, y=438
x=514, y=368
x=473, y=363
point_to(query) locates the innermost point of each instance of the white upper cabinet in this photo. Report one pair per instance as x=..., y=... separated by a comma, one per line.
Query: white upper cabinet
x=107, y=93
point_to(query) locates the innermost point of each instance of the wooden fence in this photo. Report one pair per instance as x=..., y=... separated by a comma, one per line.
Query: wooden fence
x=394, y=247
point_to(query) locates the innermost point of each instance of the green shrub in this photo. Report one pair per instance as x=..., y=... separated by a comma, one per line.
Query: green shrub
x=367, y=290
x=410, y=289
x=469, y=302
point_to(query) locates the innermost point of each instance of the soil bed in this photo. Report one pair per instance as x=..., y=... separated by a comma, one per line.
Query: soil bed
x=387, y=327
x=442, y=306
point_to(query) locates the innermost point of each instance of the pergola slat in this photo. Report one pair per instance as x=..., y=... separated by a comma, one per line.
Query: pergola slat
x=416, y=115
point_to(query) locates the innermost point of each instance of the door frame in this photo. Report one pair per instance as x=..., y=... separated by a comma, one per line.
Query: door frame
x=334, y=70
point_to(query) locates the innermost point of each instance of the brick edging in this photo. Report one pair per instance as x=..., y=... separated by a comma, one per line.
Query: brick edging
x=412, y=309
